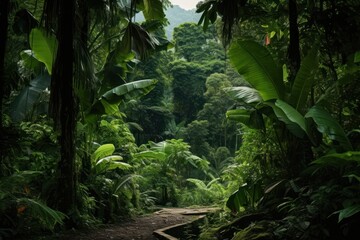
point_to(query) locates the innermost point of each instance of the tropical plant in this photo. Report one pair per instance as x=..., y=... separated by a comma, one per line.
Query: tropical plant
x=18, y=205
x=165, y=167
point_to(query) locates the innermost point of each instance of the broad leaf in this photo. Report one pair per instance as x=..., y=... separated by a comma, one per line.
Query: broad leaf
x=109, y=102
x=304, y=80
x=251, y=118
x=150, y=155
x=282, y=116
x=44, y=46
x=255, y=63
x=338, y=159
x=153, y=9
x=246, y=94
x=348, y=212
x=237, y=200
x=292, y=114
x=103, y=151
x=110, y=163
x=129, y=91
x=326, y=124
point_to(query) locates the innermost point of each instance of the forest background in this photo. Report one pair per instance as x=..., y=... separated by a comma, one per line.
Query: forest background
x=103, y=117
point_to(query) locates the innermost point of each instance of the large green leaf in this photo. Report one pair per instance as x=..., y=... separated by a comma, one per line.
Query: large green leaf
x=246, y=94
x=255, y=63
x=44, y=46
x=338, y=159
x=109, y=102
x=251, y=118
x=237, y=200
x=150, y=155
x=129, y=91
x=103, y=151
x=110, y=163
x=153, y=9
x=292, y=118
x=304, y=80
x=239, y=115
x=326, y=124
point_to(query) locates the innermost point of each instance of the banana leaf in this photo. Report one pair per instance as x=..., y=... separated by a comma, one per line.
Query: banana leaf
x=153, y=9
x=326, y=124
x=304, y=80
x=255, y=63
x=109, y=102
x=294, y=121
x=246, y=94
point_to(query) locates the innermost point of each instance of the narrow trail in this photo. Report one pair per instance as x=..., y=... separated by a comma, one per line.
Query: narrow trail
x=139, y=228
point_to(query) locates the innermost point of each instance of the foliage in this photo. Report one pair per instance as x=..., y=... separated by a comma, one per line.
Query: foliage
x=203, y=194
x=165, y=167
x=18, y=205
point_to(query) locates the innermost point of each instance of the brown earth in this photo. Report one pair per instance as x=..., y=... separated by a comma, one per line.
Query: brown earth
x=139, y=228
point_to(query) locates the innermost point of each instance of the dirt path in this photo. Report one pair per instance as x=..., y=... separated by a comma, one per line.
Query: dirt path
x=140, y=228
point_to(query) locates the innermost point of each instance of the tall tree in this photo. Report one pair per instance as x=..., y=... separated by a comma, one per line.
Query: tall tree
x=63, y=104
x=4, y=10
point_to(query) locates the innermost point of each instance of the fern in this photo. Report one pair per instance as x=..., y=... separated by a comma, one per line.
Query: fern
x=47, y=217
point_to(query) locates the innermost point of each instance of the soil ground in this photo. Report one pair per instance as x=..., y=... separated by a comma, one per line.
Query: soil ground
x=138, y=228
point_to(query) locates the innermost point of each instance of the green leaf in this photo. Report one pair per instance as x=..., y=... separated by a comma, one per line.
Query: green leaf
x=237, y=200
x=251, y=118
x=150, y=155
x=47, y=217
x=109, y=102
x=44, y=46
x=239, y=115
x=348, y=212
x=198, y=183
x=338, y=159
x=110, y=163
x=246, y=94
x=129, y=91
x=357, y=57
x=255, y=63
x=304, y=80
x=326, y=124
x=153, y=9
x=103, y=151
x=291, y=114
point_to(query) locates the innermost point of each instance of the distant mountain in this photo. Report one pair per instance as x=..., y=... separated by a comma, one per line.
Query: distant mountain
x=176, y=16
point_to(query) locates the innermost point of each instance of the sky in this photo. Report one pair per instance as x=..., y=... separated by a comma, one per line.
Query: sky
x=185, y=4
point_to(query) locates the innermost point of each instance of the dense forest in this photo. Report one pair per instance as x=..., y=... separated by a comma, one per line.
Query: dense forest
x=255, y=109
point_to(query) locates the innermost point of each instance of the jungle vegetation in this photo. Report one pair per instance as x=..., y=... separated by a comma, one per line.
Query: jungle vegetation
x=254, y=109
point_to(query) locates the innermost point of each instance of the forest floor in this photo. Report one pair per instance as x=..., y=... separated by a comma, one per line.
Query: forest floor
x=138, y=228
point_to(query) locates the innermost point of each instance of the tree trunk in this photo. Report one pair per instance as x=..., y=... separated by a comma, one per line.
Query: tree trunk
x=294, y=46
x=63, y=107
x=4, y=7
x=4, y=11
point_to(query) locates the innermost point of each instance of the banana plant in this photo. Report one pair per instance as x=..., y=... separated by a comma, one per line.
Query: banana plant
x=269, y=96
x=103, y=160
